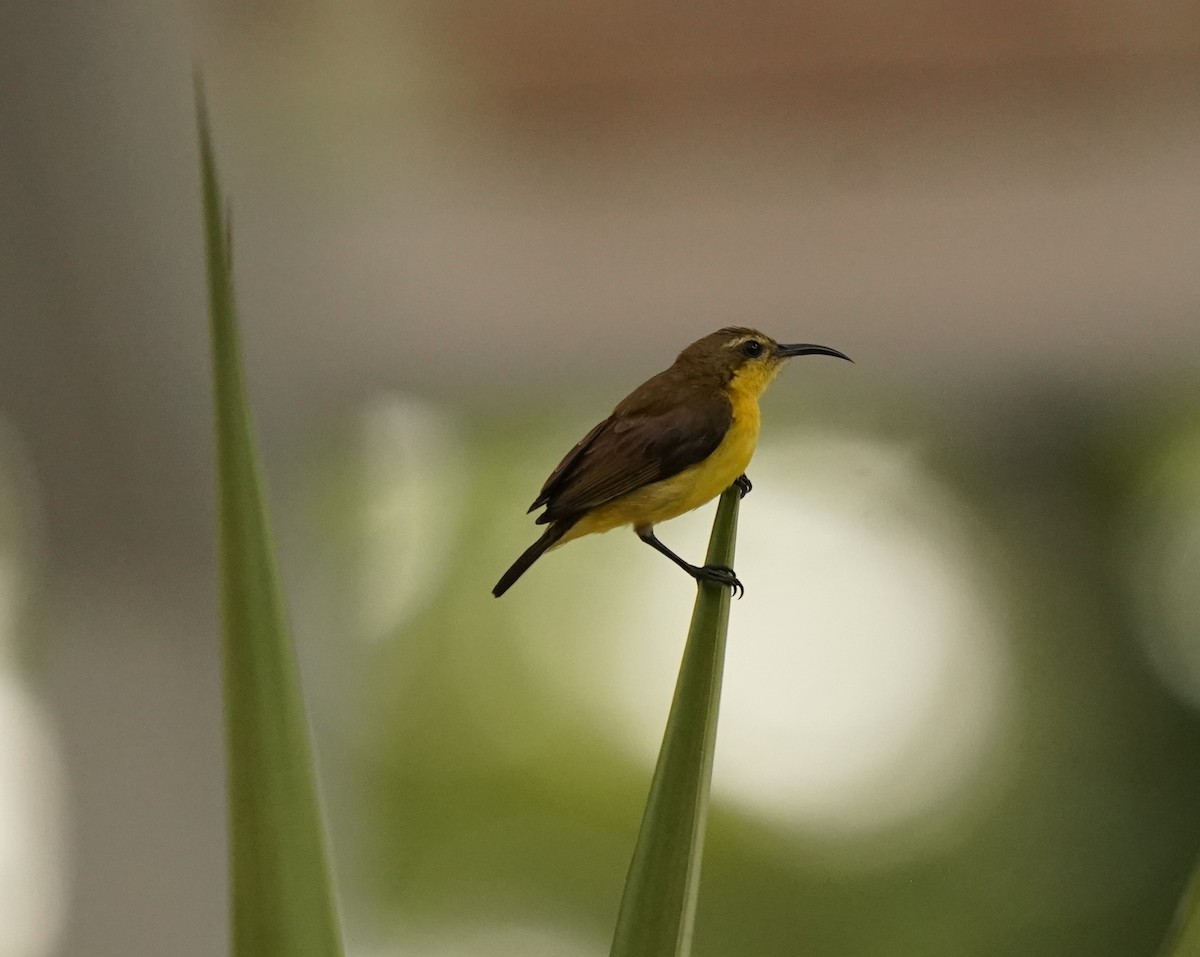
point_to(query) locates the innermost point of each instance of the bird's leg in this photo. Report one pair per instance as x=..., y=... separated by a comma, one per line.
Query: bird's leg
x=743, y=485
x=720, y=574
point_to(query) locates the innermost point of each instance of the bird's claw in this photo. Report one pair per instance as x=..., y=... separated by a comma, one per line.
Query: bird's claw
x=722, y=575
x=743, y=485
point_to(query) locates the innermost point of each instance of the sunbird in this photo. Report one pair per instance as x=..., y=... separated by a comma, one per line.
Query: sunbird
x=678, y=440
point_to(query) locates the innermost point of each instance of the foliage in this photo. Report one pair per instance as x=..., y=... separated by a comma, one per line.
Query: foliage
x=659, y=904
x=281, y=895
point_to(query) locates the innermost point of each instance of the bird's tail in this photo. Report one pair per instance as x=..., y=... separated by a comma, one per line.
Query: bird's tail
x=535, y=551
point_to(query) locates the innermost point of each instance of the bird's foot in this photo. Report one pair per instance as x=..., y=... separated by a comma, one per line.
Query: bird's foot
x=743, y=485
x=721, y=575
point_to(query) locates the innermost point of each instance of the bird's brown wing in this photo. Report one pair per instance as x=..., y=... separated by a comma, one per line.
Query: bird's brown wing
x=569, y=460
x=636, y=445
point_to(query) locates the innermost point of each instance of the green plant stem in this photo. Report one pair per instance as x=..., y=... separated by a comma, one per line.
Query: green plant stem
x=658, y=906
x=1183, y=938
x=281, y=897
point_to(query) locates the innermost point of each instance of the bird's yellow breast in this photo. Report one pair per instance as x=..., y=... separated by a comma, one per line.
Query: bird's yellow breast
x=695, y=485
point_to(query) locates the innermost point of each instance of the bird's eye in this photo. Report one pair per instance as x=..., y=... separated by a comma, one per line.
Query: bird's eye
x=752, y=348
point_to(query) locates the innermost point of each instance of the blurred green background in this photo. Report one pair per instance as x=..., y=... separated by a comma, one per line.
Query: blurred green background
x=961, y=700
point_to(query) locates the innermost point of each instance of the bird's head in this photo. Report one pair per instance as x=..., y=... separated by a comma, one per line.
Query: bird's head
x=746, y=358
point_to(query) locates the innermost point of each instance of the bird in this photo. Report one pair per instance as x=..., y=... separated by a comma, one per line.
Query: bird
x=675, y=442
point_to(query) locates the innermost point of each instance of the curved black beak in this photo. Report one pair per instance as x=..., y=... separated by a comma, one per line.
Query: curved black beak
x=807, y=349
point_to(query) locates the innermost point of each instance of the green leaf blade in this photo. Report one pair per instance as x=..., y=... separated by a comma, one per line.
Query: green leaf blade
x=281, y=894
x=1183, y=937
x=658, y=906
